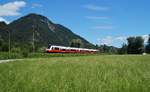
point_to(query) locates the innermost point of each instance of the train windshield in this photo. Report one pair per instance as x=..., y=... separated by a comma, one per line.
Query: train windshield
x=49, y=46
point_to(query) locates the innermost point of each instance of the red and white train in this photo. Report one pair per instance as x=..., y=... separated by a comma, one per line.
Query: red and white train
x=63, y=49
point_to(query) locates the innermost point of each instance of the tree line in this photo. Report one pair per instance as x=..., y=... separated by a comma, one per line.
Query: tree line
x=134, y=45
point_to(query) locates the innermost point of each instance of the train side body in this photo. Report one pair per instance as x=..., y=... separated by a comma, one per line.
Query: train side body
x=63, y=49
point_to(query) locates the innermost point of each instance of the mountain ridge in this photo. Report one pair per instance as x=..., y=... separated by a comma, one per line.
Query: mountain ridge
x=45, y=32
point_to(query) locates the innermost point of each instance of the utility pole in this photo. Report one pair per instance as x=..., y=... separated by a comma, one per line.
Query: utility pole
x=9, y=42
x=33, y=39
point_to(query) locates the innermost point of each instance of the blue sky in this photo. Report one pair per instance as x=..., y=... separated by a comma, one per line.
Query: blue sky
x=99, y=21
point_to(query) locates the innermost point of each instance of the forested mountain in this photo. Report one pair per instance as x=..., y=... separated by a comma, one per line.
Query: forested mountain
x=39, y=29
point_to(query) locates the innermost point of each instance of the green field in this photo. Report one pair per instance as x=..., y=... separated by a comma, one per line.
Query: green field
x=103, y=73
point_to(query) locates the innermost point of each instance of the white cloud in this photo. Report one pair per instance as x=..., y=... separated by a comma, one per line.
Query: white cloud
x=11, y=8
x=145, y=37
x=110, y=40
x=36, y=5
x=103, y=27
x=96, y=8
x=2, y=19
x=96, y=18
x=121, y=38
x=117, y=40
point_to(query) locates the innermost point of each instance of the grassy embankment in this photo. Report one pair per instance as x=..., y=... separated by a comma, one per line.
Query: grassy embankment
x=103, y=73
x=7, y=55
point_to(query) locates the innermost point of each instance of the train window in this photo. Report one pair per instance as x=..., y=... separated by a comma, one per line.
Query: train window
x=73, y=50
x=63, y=49
x=56, y=48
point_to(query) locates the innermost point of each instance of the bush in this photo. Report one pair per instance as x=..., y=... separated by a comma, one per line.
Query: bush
x=6, y=55
x=5, y=47
x=25, y=54
x=16, y=50
x=41, y=50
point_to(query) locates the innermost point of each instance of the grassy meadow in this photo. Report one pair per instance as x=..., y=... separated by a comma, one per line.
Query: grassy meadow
x=101, y=73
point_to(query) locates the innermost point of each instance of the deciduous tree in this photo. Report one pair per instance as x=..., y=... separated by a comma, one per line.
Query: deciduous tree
x=76, y=43
x=135, y=45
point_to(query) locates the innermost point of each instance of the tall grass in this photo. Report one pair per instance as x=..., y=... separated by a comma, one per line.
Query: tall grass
x=77, y=74
x=7, y=55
